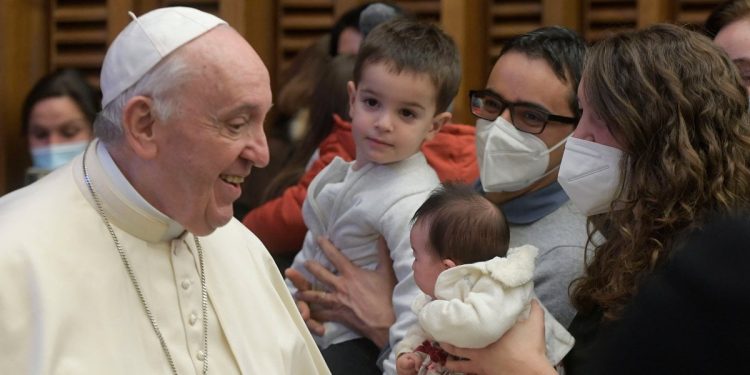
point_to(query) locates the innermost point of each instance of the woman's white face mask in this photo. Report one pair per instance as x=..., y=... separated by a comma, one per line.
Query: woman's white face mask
x=590, y=175
x=509, y=159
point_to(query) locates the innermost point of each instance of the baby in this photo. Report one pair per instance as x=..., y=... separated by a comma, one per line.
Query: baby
x=475, y=288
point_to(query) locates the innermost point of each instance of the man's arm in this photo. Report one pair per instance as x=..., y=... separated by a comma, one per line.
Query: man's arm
x=357, y=298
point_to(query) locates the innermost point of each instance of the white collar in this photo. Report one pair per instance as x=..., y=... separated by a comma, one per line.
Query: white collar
x=122, y=204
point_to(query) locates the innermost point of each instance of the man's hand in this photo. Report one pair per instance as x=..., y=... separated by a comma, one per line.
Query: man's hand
x=302, y=284
x=356, y=297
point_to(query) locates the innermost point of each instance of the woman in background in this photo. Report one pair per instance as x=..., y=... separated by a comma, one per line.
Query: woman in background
x=57, y=120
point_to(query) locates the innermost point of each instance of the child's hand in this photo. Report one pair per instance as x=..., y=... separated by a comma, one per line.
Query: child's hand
x=408, y=363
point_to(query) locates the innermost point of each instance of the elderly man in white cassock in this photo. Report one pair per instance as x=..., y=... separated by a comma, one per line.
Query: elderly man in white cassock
x=128, y=260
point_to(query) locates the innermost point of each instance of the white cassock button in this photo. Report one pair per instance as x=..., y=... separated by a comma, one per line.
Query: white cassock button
x=201, y=355
x=193, y=318
x=186, y=284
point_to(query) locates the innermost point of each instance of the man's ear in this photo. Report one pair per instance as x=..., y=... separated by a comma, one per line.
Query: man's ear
x=437, y=123
x=138, y=122
x=351, y=88
x=449, y=263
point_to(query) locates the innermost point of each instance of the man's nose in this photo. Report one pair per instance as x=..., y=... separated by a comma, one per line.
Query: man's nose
x=256, y=149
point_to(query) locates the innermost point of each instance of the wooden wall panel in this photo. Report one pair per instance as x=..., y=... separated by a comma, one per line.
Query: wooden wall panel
x=469, y=32
x=509, y=18
x=37, y=36
x=693, y=13
x=23, y=60
x=602, y=17
x=301, y=23
x=78, y=36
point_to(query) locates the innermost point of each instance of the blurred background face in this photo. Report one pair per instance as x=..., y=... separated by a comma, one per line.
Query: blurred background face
x=57, y=121
x=735, y=40
x=349, y=41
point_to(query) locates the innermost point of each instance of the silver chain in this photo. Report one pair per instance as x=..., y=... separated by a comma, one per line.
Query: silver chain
x=136, y=285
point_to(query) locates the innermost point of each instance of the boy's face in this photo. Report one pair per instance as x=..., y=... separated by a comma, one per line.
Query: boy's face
x=427, y=264
x=392, y=114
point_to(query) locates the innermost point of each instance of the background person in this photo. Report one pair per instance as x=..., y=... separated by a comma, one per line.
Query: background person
x=659, y=159
x=57, y=119
x=729, y=26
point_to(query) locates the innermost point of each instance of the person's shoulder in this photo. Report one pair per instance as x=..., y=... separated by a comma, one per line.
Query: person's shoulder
x=236, y=232
x=35, y=205
x=714, y=255
x=237, y=243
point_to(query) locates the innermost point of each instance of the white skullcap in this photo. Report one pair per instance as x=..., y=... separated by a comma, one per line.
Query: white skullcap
x=146, y=41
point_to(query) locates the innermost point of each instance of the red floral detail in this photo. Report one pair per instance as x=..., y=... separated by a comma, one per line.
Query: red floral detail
x=437, y=354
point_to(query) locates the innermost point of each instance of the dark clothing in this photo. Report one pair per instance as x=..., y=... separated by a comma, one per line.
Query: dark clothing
x=689, y=317
x=358, y=356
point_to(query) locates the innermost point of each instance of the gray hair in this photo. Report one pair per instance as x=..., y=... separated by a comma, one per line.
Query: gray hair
x=157, y=83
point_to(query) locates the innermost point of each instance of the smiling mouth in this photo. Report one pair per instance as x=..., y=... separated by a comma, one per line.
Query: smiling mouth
x=232, y=179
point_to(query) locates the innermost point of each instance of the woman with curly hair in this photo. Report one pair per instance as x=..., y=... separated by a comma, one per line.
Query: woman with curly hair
x=659, y=162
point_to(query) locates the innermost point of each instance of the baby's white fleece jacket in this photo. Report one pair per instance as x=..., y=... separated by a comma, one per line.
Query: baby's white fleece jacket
x=477, y=303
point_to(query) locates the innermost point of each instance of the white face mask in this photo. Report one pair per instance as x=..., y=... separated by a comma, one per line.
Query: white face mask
x=509, y=159
x=53, y=156
x=590, y=175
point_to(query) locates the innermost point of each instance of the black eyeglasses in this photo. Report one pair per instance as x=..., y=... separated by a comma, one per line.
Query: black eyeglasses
x=527, y=118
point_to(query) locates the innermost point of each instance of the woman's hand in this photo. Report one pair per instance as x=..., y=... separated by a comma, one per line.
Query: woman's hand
x=521, y=351
x=356, y=297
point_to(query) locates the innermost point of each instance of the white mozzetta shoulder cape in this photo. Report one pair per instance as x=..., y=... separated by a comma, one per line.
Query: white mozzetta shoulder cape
x=68, y=306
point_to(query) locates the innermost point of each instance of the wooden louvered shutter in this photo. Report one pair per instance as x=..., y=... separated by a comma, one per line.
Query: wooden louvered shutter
x=301, y=23
x=426, y=10
x=78, y=35
x=511, y=18
x=208, y=6
x=602, y=17
x=693, y=13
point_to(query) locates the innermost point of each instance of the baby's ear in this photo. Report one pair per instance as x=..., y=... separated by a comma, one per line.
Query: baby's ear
x=449, y=263
x=437, y=123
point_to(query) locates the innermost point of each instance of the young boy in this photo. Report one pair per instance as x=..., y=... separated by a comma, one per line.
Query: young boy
x=474, y=288
x=406, y=74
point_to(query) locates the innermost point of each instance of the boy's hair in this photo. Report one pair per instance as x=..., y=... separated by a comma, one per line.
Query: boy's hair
x=405, y=44
x=463, y=225
x=563, y=50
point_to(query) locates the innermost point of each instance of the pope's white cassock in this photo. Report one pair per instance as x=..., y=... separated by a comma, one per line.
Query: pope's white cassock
x=67, y=304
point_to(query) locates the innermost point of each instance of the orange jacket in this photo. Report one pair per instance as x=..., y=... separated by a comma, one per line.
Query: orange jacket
x=278, y=222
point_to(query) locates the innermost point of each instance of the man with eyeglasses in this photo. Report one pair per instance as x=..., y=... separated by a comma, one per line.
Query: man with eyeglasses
x=524, y=116
x=519, y=151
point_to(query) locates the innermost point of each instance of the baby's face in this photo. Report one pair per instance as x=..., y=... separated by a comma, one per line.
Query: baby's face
x=427, y=264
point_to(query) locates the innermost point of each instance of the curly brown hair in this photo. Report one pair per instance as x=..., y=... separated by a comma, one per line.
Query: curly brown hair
x=676, y=104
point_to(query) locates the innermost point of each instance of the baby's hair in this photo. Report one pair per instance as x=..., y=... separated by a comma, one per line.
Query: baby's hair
x=463, y=225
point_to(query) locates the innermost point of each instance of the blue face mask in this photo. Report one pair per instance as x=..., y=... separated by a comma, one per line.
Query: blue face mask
x=54, y=156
